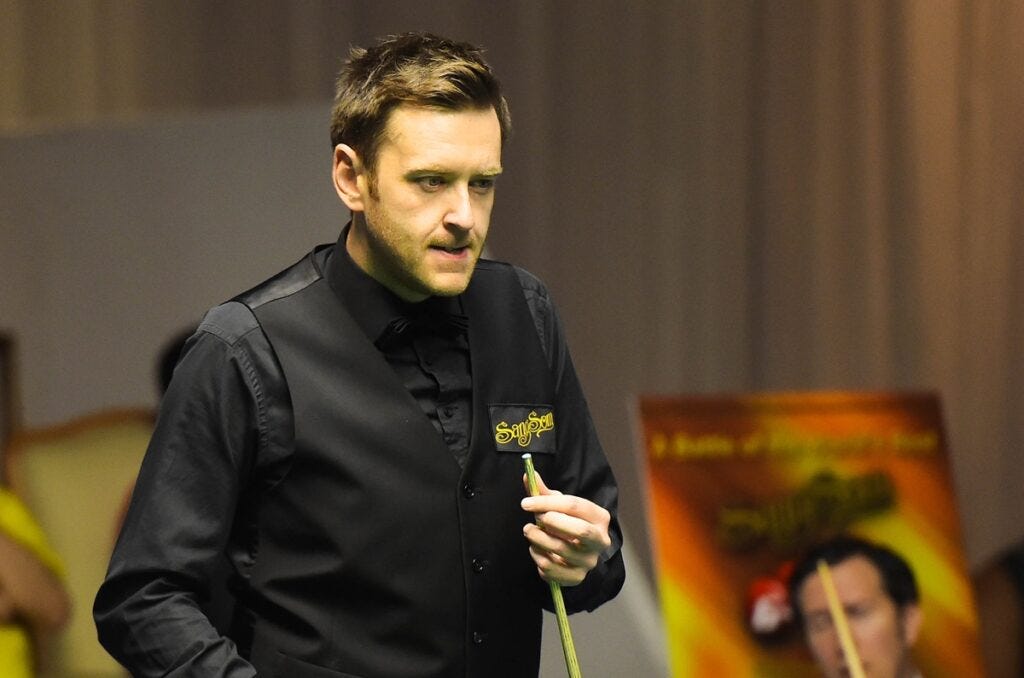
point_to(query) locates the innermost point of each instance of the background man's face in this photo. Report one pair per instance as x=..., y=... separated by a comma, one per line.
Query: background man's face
x=428, y=213
x=882, y=633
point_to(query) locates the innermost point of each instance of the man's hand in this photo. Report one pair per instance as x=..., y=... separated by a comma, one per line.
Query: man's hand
x=29, y=592
x=569, y=535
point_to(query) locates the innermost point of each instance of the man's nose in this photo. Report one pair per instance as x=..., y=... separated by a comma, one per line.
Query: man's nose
x=837, y=648
x=460, y=208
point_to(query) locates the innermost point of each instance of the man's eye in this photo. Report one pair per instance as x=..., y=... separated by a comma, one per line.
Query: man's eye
x=482, y=185
x=430, y=183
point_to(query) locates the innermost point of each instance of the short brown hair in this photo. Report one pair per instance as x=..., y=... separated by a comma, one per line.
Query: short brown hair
x=412, y=68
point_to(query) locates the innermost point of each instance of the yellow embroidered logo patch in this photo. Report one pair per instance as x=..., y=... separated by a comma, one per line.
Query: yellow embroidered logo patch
x=519, y=428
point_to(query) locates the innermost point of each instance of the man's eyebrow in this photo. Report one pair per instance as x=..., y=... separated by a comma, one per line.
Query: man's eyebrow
x=444, y=172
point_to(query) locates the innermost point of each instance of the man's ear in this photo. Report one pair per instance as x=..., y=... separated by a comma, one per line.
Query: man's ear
x=911, y=623
x=349, y=177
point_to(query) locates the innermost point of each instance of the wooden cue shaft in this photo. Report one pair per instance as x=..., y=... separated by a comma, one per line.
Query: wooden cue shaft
x=572, y=665
x=839, y=620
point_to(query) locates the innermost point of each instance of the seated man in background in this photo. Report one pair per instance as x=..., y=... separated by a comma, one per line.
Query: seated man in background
x=879, y=595
x=33, y=602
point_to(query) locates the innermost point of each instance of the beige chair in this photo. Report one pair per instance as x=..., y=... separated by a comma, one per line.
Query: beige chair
x=75, y=478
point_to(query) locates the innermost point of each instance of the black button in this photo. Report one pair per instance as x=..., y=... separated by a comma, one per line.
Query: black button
x=479, y=565
x=478, y=637
x=448, y=411
x=468, y=492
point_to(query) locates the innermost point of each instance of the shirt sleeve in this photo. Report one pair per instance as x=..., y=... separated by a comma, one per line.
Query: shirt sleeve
x=583, y=468
x=212, y=424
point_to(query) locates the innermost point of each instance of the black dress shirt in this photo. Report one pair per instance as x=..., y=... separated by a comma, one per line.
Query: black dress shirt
x=431, y=356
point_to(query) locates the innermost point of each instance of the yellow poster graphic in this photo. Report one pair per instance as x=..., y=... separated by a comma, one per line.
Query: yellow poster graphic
x=740, y=486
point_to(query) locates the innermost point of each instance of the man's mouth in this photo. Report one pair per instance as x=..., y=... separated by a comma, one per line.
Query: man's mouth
x=450, y=250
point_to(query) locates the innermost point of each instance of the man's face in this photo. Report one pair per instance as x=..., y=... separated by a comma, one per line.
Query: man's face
x=882, y=633
x=428, y=206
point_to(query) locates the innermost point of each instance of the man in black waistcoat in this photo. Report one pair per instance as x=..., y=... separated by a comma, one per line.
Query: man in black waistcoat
x=345, y=439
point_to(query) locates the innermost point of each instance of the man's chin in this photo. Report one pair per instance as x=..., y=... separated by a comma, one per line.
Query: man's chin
x=449, y=284
x=449, y=290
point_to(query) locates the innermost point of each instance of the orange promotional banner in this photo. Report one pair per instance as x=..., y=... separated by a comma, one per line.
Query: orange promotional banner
x=740, y=486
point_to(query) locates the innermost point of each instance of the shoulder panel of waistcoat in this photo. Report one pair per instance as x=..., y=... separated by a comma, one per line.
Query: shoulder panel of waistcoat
x=535, y=293
x=293, y=279
x=489, y=271
x=492, y=265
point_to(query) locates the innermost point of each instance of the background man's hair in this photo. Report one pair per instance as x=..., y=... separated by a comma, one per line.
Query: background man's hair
x=168, y=356
x=897, y=577
x=418, y=69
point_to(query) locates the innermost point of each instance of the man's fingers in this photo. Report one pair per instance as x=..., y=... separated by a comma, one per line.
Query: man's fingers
x=553, y=568
x=572, y=554
x=578, y=532
x=576, y=507
x=542, y=489
x=567, y=536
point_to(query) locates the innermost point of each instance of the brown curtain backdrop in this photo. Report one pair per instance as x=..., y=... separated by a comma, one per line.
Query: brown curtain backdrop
x=723, y=195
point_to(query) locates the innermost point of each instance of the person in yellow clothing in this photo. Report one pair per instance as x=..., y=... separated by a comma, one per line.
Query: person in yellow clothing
x=33, y=602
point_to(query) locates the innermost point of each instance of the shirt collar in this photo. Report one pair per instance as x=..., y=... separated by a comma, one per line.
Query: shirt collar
x=372, y=305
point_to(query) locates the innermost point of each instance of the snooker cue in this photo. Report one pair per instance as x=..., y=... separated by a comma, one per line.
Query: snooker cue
x=568, y=649
x=839, y=620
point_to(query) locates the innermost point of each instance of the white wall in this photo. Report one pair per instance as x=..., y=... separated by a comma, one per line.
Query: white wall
x=114, y=239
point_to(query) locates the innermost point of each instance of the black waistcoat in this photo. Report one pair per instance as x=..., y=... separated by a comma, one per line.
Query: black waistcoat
x=378, y=556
